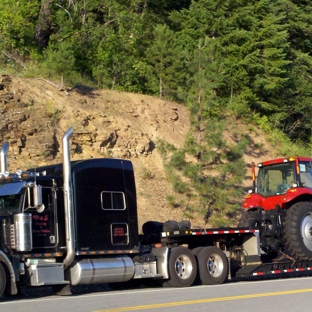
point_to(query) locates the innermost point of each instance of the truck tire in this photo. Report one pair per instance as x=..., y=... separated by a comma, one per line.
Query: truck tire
x=213, y=265
x=196, y=252
x=2, y=280
x=182, y=268
x=298, y=231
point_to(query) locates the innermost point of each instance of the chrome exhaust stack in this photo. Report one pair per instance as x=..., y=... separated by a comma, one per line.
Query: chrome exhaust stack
x=68, y=200
x=3, y=157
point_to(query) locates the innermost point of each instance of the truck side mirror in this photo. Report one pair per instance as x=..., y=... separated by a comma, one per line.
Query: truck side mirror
x=37, y=195
x=37, y=198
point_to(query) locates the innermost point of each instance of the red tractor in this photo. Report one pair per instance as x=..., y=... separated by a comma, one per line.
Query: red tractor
x=280, y=205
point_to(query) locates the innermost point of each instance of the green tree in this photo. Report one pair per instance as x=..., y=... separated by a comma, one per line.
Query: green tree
x=294, y=117
x=17, y=28
x=164, y=59
x=207, y=170
x=59, y=62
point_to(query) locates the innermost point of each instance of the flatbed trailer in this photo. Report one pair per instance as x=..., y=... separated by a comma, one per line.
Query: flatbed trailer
x=242, y=247
x=75, y=223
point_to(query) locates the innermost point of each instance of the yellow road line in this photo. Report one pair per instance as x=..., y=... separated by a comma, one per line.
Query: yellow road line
x=181, y=303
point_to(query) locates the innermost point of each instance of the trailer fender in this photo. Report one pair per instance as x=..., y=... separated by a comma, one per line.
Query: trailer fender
x=162, y=255
x=11, y=287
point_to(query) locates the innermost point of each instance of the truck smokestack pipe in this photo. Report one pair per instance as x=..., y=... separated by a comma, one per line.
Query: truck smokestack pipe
x=3, y=158
x=68, y=199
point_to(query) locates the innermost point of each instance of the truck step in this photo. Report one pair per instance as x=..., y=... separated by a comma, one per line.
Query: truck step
x=46, y=274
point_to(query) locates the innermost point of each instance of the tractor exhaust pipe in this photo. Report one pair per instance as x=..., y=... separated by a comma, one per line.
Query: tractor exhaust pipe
x=68, y=200
x=3, y=157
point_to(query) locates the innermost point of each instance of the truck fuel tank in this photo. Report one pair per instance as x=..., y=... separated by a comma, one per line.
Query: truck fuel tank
x=23, y=232
x=95, y=271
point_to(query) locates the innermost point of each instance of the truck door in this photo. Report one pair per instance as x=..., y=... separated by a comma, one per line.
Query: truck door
x=44, y=224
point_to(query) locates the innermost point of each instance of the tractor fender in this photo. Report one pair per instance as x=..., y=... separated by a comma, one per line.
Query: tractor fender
x=13, y=288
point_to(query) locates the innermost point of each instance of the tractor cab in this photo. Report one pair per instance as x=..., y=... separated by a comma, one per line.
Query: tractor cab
x=281, y=197
x=276, y=177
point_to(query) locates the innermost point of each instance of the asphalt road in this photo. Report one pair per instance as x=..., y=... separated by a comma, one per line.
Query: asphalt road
x=290, y=294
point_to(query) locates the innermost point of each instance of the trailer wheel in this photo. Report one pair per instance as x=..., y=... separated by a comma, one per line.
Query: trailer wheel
x=298, y=231
x=2, y=280
x=182, y=268
x=213, y=265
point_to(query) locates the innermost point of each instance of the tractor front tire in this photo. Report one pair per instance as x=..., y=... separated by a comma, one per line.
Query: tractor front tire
x=298, y=231
x=249, y=218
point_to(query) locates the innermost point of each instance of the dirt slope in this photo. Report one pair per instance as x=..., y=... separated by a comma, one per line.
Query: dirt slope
x=35, y=113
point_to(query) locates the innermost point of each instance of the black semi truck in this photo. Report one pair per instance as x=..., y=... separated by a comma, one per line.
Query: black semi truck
x=75, y=223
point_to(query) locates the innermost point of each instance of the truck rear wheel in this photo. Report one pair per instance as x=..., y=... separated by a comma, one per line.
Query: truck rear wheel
x=182, y=268
x=298, y=231
x=196, y=252
x=213, y=265
x=2, y=280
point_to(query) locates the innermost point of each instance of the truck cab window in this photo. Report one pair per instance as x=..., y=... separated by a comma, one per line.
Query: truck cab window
x=113, y=201
x=10, y=203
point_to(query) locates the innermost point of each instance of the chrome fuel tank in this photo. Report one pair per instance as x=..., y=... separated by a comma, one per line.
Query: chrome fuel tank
x=23, y=231
x=107, y=270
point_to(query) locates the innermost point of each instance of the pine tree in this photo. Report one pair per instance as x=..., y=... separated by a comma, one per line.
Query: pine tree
x=164, y=59
x=207, y=170
x=17, y=26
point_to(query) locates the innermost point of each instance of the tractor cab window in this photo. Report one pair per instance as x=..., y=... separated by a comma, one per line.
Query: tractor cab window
x=305, y=174
x=275, y=179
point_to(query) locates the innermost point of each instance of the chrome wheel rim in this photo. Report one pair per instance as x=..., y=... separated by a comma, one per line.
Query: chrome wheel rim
x=306, y=231
x=215, y=265
x=183, y=266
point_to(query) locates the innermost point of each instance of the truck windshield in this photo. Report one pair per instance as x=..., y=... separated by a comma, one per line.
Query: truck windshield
x=10, y=203
x=275, y=179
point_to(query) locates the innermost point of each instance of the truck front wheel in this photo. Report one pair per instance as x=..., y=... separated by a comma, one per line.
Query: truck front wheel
x=2, y=280
x=213, y=265
x=298, y=231
x=182, y=268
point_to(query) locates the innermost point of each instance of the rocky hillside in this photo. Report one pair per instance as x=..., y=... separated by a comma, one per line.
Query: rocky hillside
x=35, y=113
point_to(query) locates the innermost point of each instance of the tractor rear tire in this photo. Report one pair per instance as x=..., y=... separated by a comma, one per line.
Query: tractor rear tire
x=298, y=231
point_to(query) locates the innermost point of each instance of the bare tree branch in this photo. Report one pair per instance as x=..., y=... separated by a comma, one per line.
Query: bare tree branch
x=65, y=11
x=14, y=58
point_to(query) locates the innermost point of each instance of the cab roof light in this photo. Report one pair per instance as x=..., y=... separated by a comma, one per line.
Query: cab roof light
x=20, y=174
